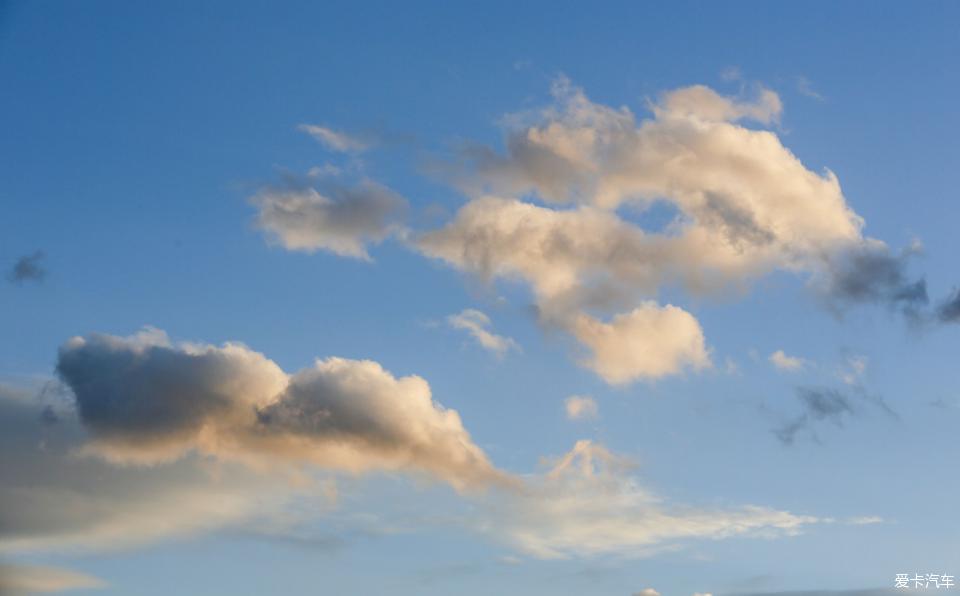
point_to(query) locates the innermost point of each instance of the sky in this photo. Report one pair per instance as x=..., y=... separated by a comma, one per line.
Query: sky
x=432, y=298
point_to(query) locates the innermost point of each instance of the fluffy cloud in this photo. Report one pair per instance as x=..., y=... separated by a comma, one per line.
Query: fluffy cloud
x=145, y=400
x=740, y=182
x=477, y=324
x=781, y=361
x=579, y=407
x=647, y=592
x=590, y=504
x=16, y=580
x=339, y=219
x=745, y=206
x=648, y=342
x=336, y=140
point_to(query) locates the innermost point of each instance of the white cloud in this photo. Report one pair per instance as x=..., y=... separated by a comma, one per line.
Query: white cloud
x=647, y=592
x=589, y=504
x=146, y=400
x=579, y=407
x=477, y=324
x=336, y=140
x=342, y=220
x=36, y=579
x=648, y=342
x=781, y=361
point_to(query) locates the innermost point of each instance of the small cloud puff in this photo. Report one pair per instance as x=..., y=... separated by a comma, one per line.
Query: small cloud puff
x=781, y=361
x=580, y=407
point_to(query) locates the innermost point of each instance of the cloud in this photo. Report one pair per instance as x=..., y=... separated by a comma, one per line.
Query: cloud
x=805, y=88
x=787, y=363
x=53, y=498
x=648, y=342
x=145, y=400
x=33, y=579
x=477, y=324
x=821, y=404
x=28, y=268
x=580, y=407
x=702, y=102
x=745, y=206
x=948, y=311
x=336, y=140
x=59, y=494
x=647, y=592
x=853, y=369
x=589, y=504
x=868, y=273
x=339, y=219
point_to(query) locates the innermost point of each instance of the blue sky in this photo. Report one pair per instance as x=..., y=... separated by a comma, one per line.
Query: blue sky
x=157, y=173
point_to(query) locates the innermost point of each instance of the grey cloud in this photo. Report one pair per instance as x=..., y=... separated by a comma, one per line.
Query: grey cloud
x=870, y=274
x=824, y=404
x=28, y=268
x=53, y=498
x=948, y=311
x=334, y=217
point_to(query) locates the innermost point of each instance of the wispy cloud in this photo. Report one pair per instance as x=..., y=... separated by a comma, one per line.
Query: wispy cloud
x=20, y=580
x=479, y=326
x=825, y=404
x=589, y=503
x=337, y=140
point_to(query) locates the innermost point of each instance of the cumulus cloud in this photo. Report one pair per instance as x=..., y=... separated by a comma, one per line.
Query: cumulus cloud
x=580, y=407
x=337, y=218
x=781, y=361
x=478, y=325
x=28, y=268
x=19, y=580
x=824, y=404
x=647, y=592
x=336, y=140
x=589, y=503
x=649, y=342
x=145, y=400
